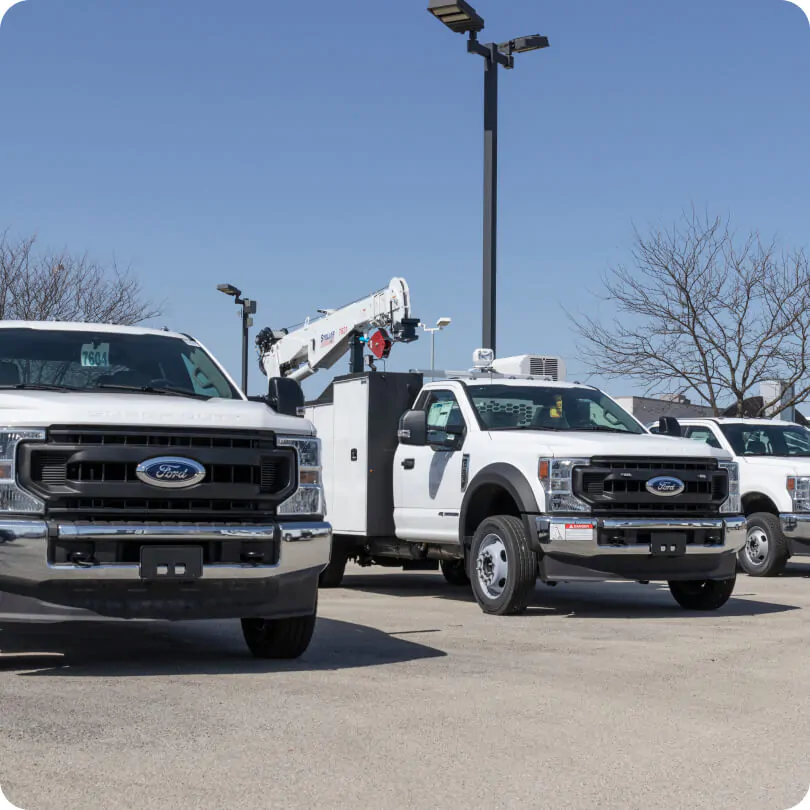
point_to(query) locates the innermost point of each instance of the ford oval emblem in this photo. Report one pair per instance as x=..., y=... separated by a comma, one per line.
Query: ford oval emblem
x=170, y=472
x=666, y=486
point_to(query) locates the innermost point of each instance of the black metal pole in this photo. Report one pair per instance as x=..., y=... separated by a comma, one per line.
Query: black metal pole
x=245, y=330
x=490, y=197
x=356, y=356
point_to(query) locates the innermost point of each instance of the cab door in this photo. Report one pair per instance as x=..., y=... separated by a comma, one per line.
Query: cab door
x=427, y=479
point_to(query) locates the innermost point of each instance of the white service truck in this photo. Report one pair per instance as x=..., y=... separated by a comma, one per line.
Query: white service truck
x=774, y=463
x=505, y=474
x=138, y=482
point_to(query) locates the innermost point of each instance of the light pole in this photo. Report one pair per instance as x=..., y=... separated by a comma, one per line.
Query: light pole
x=440, y=324
x=460, y=17
x=248, y=309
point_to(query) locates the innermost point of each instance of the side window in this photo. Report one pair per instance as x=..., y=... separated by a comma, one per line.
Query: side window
x=444, y=418
x=703, y=434
x=797, y=443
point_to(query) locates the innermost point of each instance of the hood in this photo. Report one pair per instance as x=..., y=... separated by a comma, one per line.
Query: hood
x=787, y=465
x=587, y=444
x=46, y=408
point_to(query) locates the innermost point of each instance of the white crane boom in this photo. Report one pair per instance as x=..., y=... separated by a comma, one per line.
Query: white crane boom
x=320, y=343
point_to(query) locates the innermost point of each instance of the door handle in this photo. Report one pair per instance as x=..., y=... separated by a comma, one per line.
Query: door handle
x=408, y=464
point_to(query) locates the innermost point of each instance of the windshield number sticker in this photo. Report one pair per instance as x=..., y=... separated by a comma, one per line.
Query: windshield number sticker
x=96, y=355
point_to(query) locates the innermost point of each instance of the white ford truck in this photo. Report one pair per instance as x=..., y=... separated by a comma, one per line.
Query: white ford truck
x=138, y=482
x=774, y=463
x=506, y=474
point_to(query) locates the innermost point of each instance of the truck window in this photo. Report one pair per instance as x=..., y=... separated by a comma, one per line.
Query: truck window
x=84, y=360
x=703, y=434
x=542, y=407
x=443, y=415
x=767, y=440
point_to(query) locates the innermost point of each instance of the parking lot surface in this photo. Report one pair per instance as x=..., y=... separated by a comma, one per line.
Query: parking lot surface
x=600, y=696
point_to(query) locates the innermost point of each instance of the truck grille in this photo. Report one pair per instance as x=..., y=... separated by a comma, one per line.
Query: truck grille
x=87, y=474
x=617, y=486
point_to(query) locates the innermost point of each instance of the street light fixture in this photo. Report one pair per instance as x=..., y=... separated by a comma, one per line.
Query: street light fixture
x=248, y=309
x=524, y=44
x=440, y=324
x=462, y=18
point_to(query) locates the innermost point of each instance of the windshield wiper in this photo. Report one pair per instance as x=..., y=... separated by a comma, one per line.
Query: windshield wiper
x=149, y=389
x=526, y=427
x=603, y=429
x=38, y=387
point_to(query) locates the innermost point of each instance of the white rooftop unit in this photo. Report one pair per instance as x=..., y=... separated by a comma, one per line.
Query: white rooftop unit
x=535, y=365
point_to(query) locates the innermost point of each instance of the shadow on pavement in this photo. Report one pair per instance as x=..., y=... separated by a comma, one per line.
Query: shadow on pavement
x=796, y=570
x=598, y=600
x=118, y=649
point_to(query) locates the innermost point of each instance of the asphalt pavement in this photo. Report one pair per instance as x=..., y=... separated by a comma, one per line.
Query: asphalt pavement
x=600, y=696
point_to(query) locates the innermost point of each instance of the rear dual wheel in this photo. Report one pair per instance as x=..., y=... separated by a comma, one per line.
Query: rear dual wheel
x=455, y=572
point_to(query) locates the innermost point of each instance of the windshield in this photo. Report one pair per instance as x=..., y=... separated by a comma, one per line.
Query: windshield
x=517, y=407
x=767, y=440
x=109, y=361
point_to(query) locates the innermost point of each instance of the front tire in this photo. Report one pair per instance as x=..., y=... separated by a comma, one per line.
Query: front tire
x=332, y=575
x=279, y=638
x=503, y=567
x=455, y=572
x=702, y=594
x=765, y=553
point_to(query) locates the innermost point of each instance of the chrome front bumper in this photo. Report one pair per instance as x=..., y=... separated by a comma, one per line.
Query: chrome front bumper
x=796, y=527
x=24, y=550
x=564, y=535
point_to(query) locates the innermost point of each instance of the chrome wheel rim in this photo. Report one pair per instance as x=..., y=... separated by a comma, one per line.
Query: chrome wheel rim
x=756, y=546
x=492, y=566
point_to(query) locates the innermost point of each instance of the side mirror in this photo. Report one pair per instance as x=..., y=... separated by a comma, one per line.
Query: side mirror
x=285, y=396
x=669, y=426
x=413, y=428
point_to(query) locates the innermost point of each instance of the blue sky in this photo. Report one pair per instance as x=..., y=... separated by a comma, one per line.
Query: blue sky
x=308, y=152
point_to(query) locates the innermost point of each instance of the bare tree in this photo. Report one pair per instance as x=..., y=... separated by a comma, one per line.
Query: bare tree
x=63, y=287
x=705, y=313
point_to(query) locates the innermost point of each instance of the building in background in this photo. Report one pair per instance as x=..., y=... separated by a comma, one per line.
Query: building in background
x=650, y=409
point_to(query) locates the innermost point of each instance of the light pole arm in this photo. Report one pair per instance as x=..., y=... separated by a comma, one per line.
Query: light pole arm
x=490, y=51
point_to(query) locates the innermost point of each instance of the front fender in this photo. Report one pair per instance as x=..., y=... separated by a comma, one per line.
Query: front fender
x=511, y=480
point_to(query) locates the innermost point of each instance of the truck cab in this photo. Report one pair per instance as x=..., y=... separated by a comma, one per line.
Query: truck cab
x=506, y=478
x=774, y=463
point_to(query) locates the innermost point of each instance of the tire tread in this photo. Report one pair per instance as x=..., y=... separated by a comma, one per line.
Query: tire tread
x=525, y=566
x=279, y=638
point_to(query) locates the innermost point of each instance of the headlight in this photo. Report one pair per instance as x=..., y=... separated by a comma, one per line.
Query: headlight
x=308, y=498
x=732, y=504
x=798, y=487
x=12, y=498
x=556, y=476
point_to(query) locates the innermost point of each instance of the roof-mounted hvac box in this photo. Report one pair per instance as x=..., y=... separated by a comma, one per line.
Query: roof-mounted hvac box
x=534, y=365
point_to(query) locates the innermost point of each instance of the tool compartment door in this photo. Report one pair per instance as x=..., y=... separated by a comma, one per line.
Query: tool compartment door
x=349, y=479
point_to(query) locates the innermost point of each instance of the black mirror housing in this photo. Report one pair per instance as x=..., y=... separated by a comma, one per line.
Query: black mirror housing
x=285, y=396
x=669, y=426
x=413, y=428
